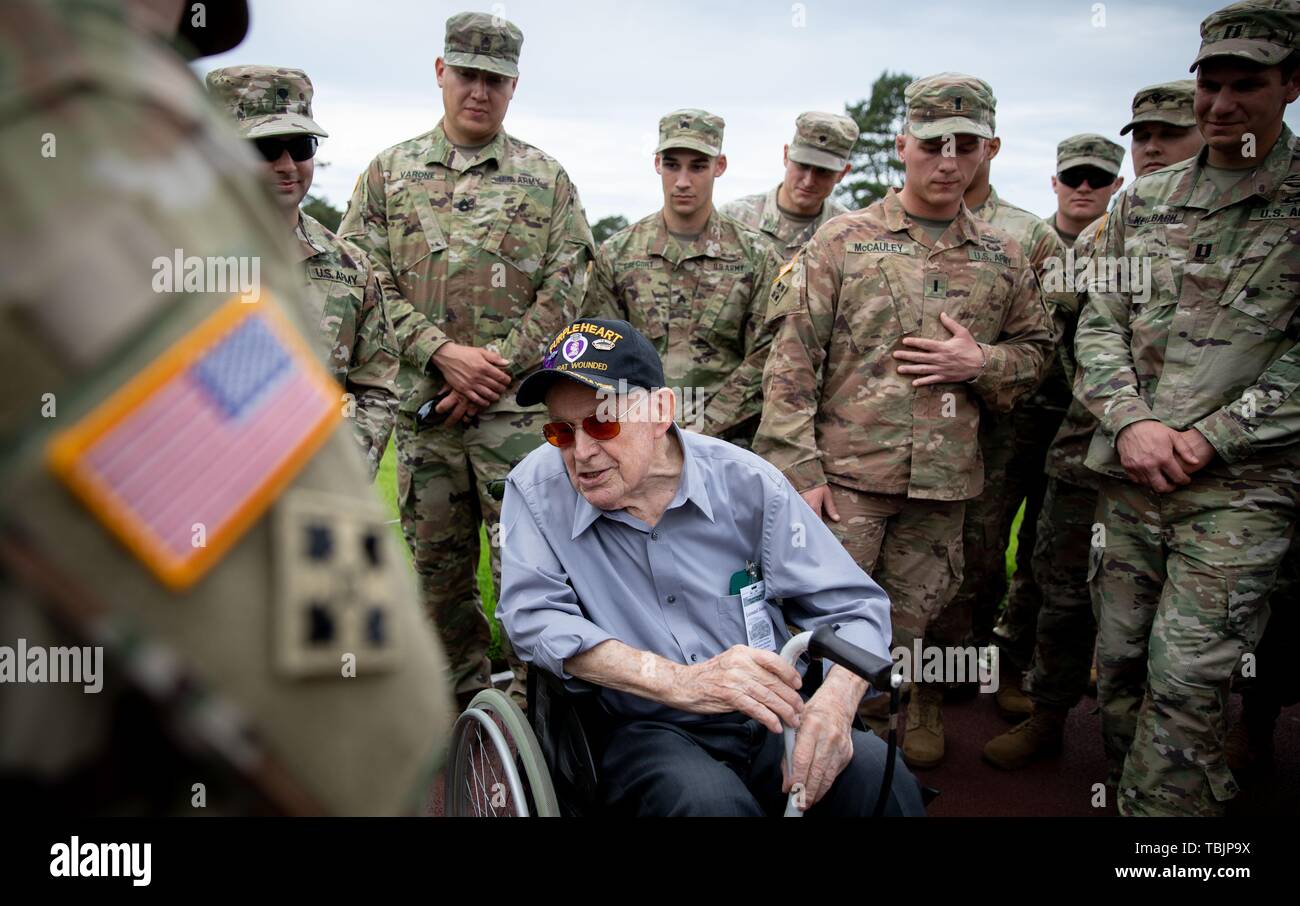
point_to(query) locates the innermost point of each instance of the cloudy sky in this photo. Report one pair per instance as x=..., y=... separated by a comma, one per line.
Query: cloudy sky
x=596, y=76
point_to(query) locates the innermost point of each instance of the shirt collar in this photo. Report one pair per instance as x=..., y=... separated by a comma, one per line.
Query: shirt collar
x=990, y=204
x=311, y=239
x=709, y=244
x=770, y=219
x=690, y=486
x=442, y=151
x=1263, y=181
x=897, y=220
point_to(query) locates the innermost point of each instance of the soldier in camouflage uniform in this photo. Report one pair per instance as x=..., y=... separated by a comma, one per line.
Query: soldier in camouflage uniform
x=1199, y=427
x=210, y=675
x=1066, y=630
x=893, y=323
x=816, y=160
x=485, y=238
x=1013, y=446
x=272, y=109
x=1087, y=176
x=1163, y=126
x=695, y=283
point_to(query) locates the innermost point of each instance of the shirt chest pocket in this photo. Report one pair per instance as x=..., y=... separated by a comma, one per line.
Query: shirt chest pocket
x=519, y=233
x=1265, y=282
x=983, y=310
x=414, y=233
x=646, y=292
x=723, y=293
x=875, y=305
x=1145, y=273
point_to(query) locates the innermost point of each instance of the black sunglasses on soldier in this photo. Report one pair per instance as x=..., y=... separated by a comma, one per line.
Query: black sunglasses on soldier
x=1075, y=177
x=300, y=147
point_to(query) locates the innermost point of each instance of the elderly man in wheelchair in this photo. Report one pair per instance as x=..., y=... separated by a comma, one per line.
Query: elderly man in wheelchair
x=658, y=569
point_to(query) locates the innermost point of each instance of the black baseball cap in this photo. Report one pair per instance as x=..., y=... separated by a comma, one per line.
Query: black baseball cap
x=598, y=354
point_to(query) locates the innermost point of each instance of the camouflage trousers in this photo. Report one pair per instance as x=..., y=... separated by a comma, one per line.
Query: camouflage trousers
x=1066, y=627
x=912, y=548
x=1180, y=589
x=1014, y=448
x=446, y=481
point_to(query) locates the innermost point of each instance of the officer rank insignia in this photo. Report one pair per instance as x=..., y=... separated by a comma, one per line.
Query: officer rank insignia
x=185, y=457
x=333, y=592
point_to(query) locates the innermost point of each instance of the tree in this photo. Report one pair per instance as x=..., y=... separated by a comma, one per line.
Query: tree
x=322, y=210
x=875, y=163
x=607, y=226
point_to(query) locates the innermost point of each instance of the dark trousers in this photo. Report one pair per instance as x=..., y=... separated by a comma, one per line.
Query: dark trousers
x=731, y=766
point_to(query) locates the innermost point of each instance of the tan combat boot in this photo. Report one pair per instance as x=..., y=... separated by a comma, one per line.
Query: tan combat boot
x=923, y=741
x=1011, y=700
x=1041, y=735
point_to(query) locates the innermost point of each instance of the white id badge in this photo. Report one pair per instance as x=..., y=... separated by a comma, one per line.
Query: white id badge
x=758, y=628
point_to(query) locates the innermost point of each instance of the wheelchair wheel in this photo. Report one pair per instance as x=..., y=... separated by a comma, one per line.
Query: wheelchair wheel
x=495, y=768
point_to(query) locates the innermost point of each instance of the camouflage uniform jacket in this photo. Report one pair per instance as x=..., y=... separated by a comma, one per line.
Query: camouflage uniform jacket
x=1069, y=448
x=1043, y=246
x=1217, y=344
x=702, y=305
x=761, y=212
x=836, y=407
x=348, y=303
x=489, y=250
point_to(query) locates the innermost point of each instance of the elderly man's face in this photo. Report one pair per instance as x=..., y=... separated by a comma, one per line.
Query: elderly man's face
x=608, y=473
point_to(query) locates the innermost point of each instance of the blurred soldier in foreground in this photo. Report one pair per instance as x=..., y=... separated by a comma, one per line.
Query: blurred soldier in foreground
x=1013, y=446
x=487, y=241
x=1199, y=434
x=176, y=487
x=895, y=321
x=695, y=283
x=1063, y=635
x=272, y=109
x=816, y=159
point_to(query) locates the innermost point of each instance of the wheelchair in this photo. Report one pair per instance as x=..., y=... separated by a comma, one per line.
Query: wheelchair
x=504, y=764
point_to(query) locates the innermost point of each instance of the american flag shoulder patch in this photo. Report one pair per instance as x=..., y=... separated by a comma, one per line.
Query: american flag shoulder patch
x=185, y=457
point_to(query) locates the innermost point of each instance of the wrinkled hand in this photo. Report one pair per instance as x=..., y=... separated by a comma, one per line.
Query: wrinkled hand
x=478, y=375
x=823, y=747
x=460, y=409
x=1159, y=457
x=948, y=361
x=750, y=680
x=822, y=504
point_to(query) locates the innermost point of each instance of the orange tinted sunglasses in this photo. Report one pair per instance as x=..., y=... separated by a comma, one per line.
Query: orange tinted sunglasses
x=560, y=434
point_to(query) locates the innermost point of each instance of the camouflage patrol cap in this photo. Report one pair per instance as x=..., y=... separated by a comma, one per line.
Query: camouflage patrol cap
x=1089, y=150
x=1168, y=102
x=949, y=103
x=481, y=41
x=1264, y=31
x=265, y=100
x=823, y=140
x=690, y=128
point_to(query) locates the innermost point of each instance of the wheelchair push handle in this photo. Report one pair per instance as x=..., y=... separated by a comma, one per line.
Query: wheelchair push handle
x=874, y=669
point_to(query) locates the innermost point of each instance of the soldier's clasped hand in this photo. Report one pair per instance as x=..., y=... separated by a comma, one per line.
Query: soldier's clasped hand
x=478, y=375
x=457, y=408
x=950, y=361
x=1160, y=457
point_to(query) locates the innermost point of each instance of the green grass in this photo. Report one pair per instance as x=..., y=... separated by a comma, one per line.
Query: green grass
x=386, y=482
x=1015, y=542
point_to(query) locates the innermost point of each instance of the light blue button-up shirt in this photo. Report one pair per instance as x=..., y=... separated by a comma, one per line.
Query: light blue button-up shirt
x=573, y=575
